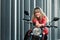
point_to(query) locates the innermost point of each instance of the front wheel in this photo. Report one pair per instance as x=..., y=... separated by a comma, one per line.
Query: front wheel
x=28, y=36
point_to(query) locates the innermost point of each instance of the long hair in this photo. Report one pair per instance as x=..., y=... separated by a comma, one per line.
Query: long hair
x=37, y=9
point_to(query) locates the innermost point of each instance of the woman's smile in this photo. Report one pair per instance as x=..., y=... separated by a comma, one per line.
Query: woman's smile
x=37, y=14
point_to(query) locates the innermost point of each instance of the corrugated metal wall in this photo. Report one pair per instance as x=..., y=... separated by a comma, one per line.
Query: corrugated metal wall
x=12, y=27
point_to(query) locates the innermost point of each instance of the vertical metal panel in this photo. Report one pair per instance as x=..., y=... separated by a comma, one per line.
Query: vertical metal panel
x=12, y=20
x=55, y=15
x=34, y=3
x=52, y=29
x=29, y=13
x=15, y=11
x=0, y=19
x=7, y=19
x=45, y=6
x=15, y=24
x=22, y=20
x=18, y=20
x=42, y=4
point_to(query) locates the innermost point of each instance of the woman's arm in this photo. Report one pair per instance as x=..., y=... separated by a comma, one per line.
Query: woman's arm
x=34, y=21
x=43, y=22
x=38, y=24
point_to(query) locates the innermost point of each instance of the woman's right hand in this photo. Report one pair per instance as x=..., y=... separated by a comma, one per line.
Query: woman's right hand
x=37, y=24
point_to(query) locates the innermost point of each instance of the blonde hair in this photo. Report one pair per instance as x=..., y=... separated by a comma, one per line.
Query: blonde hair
x=41, y=11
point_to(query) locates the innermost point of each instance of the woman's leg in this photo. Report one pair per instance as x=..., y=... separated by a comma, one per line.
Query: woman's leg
x=45, y=37
x=27, y=35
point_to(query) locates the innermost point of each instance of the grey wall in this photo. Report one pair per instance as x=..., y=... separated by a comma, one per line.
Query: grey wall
x=12, y=27
x=8, y=23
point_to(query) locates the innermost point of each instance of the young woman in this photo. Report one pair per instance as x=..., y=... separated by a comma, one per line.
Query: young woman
x=39, y=19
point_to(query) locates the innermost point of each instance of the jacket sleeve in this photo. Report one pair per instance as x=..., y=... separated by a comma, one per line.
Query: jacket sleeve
x=44, y=20
x=34, y=21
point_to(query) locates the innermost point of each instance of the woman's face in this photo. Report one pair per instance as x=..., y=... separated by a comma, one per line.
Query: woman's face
x=37, y=13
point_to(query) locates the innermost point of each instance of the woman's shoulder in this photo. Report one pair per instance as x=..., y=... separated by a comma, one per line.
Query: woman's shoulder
x=34, y=20
x=44, y=17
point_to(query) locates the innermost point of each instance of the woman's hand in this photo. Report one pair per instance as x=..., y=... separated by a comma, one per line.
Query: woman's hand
x=38, y=24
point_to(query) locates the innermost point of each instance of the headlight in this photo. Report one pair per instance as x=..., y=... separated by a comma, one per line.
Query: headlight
x=36, y=31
